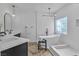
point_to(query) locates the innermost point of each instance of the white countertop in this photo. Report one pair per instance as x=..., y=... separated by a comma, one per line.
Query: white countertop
x=9, y=41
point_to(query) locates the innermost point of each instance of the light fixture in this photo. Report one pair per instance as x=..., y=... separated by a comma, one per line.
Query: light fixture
x=49, y=14
x=13, y=8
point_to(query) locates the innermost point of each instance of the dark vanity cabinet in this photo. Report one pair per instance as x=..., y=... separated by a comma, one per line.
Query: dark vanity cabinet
x=20, y=50
x=18, y=35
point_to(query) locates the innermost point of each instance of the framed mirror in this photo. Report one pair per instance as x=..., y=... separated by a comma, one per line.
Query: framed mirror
x=7, y=22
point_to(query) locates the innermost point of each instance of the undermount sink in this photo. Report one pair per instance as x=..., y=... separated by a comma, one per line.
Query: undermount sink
x=13, y=38
x=7, y=38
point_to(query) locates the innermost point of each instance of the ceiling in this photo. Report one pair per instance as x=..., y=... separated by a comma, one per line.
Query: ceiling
x=40, y=7
x=54, y=7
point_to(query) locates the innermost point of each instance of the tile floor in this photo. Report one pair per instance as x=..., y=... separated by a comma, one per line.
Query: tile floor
x=33, y=50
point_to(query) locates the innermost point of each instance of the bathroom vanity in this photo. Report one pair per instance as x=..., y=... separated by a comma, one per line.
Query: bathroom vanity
x=13, y=45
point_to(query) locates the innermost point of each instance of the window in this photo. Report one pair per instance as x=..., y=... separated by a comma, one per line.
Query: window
x=61, y=25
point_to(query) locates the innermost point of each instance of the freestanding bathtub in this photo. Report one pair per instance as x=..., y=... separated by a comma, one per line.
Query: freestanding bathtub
x=51, y=39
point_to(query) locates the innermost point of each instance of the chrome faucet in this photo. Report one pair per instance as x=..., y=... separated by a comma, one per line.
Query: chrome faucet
x=9, y=31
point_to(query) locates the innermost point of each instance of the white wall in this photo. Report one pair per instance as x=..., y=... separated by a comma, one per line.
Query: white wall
x=23, y=19
x=28, y=18
x=72, y=12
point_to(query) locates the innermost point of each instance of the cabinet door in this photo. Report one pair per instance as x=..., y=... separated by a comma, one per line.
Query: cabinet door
x=21, y=50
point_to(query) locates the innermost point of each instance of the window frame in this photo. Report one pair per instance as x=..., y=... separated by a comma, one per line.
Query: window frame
x=55, y=19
